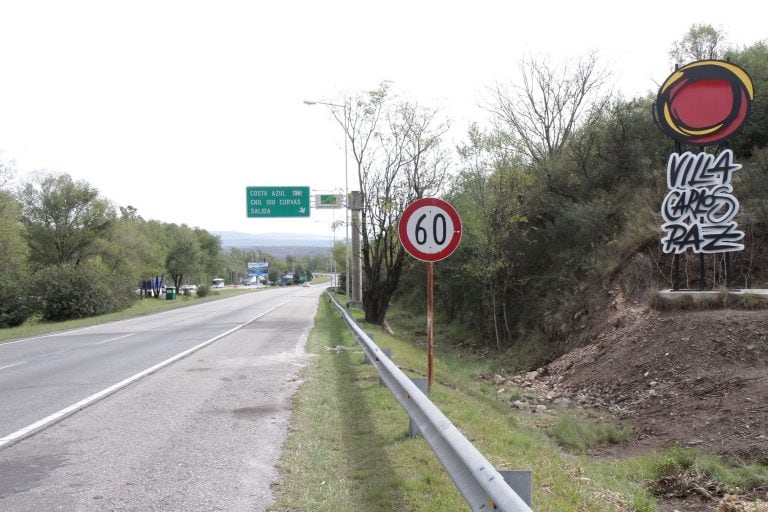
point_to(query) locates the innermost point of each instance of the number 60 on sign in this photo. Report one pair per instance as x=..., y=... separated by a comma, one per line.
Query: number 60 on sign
x=430, y=229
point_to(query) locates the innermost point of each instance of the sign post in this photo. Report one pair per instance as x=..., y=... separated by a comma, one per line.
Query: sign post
x=430, y=230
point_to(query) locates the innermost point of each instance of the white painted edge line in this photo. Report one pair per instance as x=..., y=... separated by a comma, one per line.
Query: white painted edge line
x=82, y=404
x=12, y=365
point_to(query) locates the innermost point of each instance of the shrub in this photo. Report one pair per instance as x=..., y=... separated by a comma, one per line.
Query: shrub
x=203, y=290
x=14, y=306
x=65, y=291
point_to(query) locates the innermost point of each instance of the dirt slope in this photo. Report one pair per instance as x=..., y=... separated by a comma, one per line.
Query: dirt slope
x=692, y=378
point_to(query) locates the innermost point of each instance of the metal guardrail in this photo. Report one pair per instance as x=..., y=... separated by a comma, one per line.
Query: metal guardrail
x=481, y=485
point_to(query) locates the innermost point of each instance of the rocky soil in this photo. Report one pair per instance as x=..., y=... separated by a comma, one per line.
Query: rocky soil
x=685, y=378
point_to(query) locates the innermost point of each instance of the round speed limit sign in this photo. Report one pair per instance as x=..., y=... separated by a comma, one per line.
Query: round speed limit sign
x=430, y=229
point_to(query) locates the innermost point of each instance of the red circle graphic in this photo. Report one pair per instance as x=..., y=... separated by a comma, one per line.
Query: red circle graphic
x=704, y=102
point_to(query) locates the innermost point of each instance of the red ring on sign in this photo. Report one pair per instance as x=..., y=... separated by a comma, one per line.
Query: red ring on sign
x=411, y=248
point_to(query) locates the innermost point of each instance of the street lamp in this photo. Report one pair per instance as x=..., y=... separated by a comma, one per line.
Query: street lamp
x=346, y=187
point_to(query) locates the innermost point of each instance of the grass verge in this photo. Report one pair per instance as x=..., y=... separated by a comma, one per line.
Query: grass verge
x=348, y=447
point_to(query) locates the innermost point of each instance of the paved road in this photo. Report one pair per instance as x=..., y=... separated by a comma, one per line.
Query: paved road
x=200, y=434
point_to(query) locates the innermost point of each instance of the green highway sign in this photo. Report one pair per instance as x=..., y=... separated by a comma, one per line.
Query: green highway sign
x=277, y=201
x=329, y=201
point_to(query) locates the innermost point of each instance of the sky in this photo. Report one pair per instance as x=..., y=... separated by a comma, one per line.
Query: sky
x=175, y=107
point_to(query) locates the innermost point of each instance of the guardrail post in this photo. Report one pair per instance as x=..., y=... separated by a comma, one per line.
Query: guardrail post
x=413, y=429
x=365, y=354
x=521, y=481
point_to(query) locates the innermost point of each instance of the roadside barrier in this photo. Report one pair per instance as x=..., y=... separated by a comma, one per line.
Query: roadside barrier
x=481, y=485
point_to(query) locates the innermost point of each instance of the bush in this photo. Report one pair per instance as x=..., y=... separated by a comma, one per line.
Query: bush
x=14, y=306
x=203, y=290
x=65, y=292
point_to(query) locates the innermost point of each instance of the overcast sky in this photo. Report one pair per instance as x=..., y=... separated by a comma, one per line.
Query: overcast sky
x=174, y=107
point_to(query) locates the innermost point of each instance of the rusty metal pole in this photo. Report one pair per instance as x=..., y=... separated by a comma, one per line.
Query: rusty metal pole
x=430, y=324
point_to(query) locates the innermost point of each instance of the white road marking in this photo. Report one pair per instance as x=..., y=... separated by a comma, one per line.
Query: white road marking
x=12, y=365
x=82, y=404
x=115, y=339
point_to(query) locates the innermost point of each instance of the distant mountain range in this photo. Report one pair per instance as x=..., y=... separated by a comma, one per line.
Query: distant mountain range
x=247, y=240
x=278, y=245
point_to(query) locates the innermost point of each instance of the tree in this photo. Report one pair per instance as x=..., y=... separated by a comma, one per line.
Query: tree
x=398, y=158
x=7, y=173
x=754, y=59
x=542, y=112
x=13, y=248
x=64, y=219
x=210, y=252
x=481, y=283
x=701, y=42
x=14, y=254
x=184, y=255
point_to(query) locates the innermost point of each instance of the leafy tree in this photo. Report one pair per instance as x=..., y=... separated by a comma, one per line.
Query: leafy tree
x=701, y=42
x=14, y=251
x=63, y=219
x=210, y=251
x=480, y=282
x=184, y=255
x=754, y=59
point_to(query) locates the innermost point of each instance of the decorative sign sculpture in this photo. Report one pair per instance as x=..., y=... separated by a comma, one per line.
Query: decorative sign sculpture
x=699, y=208
x=702, y=104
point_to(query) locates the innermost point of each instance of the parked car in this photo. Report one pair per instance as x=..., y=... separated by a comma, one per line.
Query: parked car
x=187, y=288
x=306, y=284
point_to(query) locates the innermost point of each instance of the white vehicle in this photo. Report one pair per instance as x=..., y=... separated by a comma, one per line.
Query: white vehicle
x=217, y=283
x=188, y=288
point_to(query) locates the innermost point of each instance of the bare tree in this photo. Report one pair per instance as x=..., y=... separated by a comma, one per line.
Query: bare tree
x=7, y=172
x=542, y=112
x=398, y=157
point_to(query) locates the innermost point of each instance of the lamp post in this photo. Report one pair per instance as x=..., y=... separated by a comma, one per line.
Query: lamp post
x=346, y=188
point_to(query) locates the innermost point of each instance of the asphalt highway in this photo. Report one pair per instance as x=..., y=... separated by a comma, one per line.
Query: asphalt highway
x=183, y=410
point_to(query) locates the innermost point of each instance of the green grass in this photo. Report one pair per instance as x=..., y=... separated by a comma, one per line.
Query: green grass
x=348, y=447
x=732, y=474
x=580, y=434
x=35, y=327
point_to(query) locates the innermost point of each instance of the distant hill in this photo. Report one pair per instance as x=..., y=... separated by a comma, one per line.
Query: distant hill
x=240, y=240
x=278, y=245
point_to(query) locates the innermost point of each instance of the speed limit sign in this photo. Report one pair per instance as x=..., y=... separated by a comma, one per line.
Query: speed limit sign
x=430, y=229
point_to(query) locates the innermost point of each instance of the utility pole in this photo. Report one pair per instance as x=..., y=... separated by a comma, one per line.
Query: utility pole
x=356, y=204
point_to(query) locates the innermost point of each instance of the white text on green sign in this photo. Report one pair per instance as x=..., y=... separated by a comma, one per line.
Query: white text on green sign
x=277, y=201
